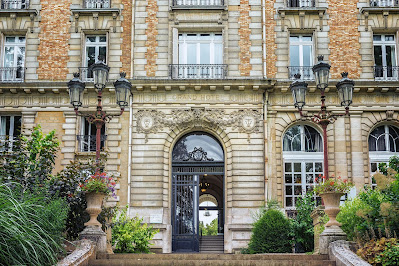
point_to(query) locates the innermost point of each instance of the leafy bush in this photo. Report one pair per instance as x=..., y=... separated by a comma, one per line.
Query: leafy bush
x=130, y=235
x=31, y=226
x=381, y=252
x=302, y=224
x=270, y=204
x=271, y=234
x=209, y=229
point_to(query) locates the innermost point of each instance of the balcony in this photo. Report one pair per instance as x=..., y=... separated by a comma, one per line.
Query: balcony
x=198, y=4
x=86, y=74
x=386, y=73
x=197, y=71
x=305, y=71
x=12, y=74
x=87, y=143
x=14, y=4
x=300, y=3
x=97, y=4
x=384, y=3
x=8, y=143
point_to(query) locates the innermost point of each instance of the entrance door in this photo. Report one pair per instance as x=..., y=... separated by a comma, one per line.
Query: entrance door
x=193, y=156
x=185, y=213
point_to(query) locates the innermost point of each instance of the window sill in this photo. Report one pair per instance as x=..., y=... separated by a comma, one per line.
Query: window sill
x=198, y=7
x=18, y=12
x=297, y=10
x=379, y=10
x=91, y=11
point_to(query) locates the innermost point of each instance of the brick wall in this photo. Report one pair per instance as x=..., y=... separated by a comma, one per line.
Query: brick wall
x=244, y=42
x=126, y=37
x=53, y=121
x=54, y=36
x=151, y=33
x=344, y=38
x=271, y=45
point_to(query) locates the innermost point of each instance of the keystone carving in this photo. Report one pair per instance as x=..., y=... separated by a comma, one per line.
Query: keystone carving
x=152, y=121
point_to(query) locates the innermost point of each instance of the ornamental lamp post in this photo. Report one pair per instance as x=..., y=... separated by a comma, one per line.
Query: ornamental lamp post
x=99, y=117
x=323, y=118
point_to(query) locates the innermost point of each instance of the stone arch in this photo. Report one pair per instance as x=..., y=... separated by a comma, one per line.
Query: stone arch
x=208, y=197
x=174, y=135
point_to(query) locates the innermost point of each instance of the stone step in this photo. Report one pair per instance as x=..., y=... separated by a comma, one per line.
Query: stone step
x=145, y=262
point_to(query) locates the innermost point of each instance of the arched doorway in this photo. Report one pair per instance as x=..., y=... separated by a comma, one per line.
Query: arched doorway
x=197, y=160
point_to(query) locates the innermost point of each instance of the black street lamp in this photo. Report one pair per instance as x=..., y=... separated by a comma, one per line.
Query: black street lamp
x=99, y=117
x=345, y=92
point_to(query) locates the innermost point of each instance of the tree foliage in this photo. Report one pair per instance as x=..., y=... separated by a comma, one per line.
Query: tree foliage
x=210, y=229
x=302, y=223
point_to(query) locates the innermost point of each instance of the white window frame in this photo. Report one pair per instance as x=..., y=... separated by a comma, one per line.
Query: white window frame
x=301, y=157
x=9, y=73
x=383, y=43
x=11, y=134
x=182, y=57
x=83, y=124
x=97, y=44
x=305, y=73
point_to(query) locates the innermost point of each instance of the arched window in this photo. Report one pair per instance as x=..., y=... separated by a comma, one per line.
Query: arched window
x=303, y=162
x=383, y=144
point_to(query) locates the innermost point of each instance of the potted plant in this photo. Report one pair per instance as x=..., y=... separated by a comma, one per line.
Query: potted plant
x=331, y=190
x=96, y=188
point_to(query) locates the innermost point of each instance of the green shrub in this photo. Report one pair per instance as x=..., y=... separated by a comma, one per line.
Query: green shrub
x=210, y=229
x=31, y=226
x=302, y=224
x=271, y=234
x=130, y=235
x=381, y=252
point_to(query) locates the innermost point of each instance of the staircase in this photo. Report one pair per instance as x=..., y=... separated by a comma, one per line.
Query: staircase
x=198, y=259
x=212, y=244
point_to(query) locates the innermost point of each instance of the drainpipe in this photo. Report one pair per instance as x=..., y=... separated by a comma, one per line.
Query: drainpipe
x=264, y=36
x=266, y=133
x=132, y=39
x=129, y=169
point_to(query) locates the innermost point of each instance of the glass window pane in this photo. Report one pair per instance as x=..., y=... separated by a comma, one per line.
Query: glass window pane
x=307, y=55
x=103, y=53
x=10, y=39
x=294, y=55
x=377, y=38
x=218, y=57
x=91, y=55
x=297, y=167
x=21, y=39
x=103, y=38
x=288, y=190
x=309, y=167
x=297, y=190
x=288, y=167
x=288, y=178
x=297, y=178
x=309, y=178
x=294, y=38
x=389, y=38
x=218, y=37
x=9, y=57
x=205, y=57
x=288, y=201
x=318, y=167
x=191, y=37
x=390, y=56
x=373, y=167
x=191, y=53
x=91, y=39
x=377, y=55
x=307, y=38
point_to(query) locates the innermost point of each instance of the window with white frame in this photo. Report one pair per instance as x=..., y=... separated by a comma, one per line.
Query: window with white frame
x=10, y=129
x=303, y=162
x=383, y=144
x=95, y=46
x=301, y=56
x=301, y=3
x=13, y=59
x=87, y=138
x=200, y=56
x=385, y=61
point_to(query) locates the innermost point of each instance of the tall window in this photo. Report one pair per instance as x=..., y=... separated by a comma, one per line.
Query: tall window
x=95, y=46
x=303, y=162
x=14, y=4
x=10, y=129
x=200, y=56
x=13, y=58
x=383, y=144
x=87, y=138
x=385, y=66
x=301, y=56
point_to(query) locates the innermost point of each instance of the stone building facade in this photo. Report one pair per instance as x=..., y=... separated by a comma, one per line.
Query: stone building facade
x=210, y=98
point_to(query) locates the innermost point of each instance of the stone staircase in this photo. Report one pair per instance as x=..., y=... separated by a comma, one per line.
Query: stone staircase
x=212, y=244
x=203, y=259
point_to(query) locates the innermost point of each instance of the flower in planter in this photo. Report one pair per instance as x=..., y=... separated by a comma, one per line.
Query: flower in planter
x=100, y=183
x=332, y=184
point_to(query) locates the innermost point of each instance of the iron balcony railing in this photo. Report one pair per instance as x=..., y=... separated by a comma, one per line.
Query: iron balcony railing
x=305, y=71
x=87, y=143
x=14, y=4
x=97, y=4
x=198, y=3
x=384, y=3
x=12, y=74
x=198, y=71
x=386, y=73
x=301, y=3
x=7, y=143
x=86, y=74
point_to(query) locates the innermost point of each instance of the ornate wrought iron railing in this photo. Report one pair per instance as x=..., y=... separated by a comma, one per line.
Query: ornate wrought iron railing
x=12, y=74
x=86, y=74
x=384, y=3
x=97, y=4
x=197, y=71
x=87, y=143
x=305, y=71
x=300, y=3
x=7, y=143
x=386, y=73
x=198, y=3
x=14, y=4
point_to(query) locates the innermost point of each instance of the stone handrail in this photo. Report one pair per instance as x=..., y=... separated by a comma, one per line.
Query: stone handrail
x=84, y=253
x=340, y=252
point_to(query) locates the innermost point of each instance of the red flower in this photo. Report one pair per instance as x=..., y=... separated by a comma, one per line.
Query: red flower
x=324, y=177
x=316, y=179
x=332, y=183
x=345, y=180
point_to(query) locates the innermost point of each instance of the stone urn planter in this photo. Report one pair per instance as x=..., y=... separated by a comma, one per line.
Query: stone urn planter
x=331, y=203
x=94, y=202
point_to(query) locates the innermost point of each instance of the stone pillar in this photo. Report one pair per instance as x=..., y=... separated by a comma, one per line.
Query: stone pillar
x=97, y=235
x=316, y=216
x=329, y=235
